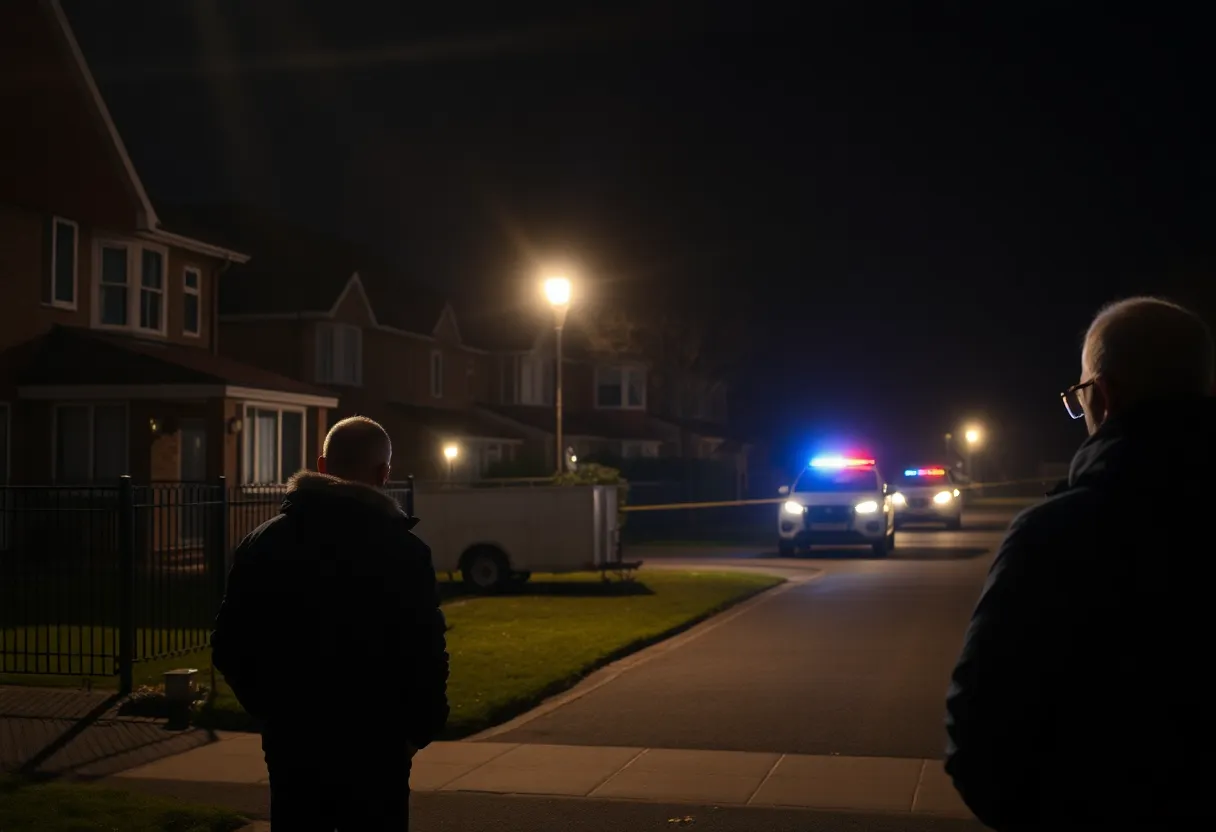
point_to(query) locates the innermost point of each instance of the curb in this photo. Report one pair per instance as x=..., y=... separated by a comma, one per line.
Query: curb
x=602, y=676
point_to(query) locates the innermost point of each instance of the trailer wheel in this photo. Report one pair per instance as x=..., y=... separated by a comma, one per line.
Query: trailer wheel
x=485, y=568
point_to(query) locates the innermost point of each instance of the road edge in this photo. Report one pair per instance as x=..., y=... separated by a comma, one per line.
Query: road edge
x=598, y=678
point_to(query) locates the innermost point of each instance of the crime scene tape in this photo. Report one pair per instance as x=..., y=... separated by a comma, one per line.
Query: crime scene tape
x=776, y=500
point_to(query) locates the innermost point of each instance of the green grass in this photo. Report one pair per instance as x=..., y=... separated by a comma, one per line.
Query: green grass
x=68, y=807
x=511, y=651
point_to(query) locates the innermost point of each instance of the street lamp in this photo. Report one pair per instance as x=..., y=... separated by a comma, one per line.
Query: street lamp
x=975, y=438
x=557, y=292
x=450, y=452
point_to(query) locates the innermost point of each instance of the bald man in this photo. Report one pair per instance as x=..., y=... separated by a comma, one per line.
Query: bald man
x=331, y=636
x=1081, y=700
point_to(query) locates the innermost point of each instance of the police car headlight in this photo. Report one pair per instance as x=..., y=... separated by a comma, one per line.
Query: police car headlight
x=792, y=507
x=867, y=507
x=942, y=497
x=898, y=499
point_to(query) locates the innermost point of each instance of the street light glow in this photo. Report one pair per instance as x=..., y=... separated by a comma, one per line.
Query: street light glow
x=451, y=452
x=972, y=436
x=557, y=291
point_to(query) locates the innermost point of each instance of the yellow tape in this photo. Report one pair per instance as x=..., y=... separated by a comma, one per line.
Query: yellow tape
x=776, y=500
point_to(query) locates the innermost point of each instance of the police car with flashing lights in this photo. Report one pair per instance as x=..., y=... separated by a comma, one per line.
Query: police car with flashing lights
x=928, y=495
x=837, y=501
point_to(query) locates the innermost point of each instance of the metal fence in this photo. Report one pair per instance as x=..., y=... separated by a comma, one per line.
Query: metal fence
x=95, y=579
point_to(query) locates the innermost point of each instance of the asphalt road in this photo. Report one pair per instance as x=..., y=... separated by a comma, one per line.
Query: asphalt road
x=854, y=663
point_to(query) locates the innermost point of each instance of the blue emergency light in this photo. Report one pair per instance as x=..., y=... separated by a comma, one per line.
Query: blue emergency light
x=840, y=462
x=925, y=472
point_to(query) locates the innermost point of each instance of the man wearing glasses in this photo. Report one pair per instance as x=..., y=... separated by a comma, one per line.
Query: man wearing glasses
x=1080, y=700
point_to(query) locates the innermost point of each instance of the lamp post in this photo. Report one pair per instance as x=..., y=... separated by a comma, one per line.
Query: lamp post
x=557, y=292
x=450, y=452
x=974, y=437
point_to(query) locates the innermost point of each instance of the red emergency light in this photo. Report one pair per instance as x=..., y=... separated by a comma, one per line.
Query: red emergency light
x=925, y=472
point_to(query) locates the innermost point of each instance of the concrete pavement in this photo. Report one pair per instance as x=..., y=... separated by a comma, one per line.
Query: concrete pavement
x=721, y=778
x=854, y=663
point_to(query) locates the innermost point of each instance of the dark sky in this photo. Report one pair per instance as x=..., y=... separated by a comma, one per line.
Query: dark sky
x=915, y=212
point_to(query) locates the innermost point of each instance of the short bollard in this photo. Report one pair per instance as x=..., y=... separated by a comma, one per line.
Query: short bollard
x=181, y=687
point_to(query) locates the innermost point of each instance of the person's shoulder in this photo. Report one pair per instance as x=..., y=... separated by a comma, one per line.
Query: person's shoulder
x=1056, y=513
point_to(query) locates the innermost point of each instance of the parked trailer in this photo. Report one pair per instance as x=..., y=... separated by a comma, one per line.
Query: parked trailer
x=494, y=537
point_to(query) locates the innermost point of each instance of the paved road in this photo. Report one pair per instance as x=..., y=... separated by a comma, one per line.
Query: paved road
x=853, y=663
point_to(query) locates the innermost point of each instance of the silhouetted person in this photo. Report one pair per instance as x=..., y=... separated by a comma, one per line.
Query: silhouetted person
x=331, y=636
x=1080, y=700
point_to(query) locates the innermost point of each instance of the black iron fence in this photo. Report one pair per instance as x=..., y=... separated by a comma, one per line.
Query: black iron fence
x=95, y=579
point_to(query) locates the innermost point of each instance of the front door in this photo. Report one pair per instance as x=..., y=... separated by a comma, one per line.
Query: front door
x=193, y=438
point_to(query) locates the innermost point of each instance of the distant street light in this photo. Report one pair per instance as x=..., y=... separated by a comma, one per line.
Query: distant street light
x=557, y=292
x=974, y=437
x=450, y=452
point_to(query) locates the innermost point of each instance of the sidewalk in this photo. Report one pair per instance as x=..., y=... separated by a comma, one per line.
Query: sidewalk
x=726, y=778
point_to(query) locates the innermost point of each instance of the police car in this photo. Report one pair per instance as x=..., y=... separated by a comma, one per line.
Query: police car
x=928, y=495
x=837, y=501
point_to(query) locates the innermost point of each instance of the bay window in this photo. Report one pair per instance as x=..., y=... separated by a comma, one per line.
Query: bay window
x=59, y=286
x=90, y=443
x=339, y=351
x=130, y=286
x=192, y=310
x=620, y=388
x=273, y=447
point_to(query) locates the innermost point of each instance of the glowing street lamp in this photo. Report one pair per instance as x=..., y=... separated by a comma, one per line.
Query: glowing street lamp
x=450, y=452
x=973, y=436
x=557, y=291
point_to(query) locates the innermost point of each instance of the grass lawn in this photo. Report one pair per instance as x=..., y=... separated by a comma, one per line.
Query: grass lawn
x=68, y=807
x=511, y=651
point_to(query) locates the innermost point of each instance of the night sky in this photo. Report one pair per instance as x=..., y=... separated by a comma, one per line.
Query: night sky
x=914, y=214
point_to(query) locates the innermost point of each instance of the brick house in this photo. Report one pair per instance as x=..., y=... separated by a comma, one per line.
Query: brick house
x=108, y=353
x=613, y=407
x=318, y=311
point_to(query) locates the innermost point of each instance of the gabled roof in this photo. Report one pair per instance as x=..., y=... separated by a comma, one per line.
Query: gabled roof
x=305, y=271
x=146, y=221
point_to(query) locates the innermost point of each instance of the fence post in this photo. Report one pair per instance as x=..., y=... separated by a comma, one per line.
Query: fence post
x=219, y=537
x=126, y=585
x=409, y=496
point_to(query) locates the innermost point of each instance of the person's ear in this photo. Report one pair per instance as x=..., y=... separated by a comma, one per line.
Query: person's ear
x=1101, y=399
x=321, y=464
x=383, y=472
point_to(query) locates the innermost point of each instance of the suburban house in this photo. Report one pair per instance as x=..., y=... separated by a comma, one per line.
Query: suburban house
x=109, y=360
x=314, y=309
x=615, y=407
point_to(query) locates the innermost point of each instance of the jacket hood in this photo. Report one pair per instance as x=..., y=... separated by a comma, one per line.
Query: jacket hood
x=324, y=492
x=1171, y=439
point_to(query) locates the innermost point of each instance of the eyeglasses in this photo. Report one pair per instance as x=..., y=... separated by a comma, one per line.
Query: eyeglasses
x=1072, y=399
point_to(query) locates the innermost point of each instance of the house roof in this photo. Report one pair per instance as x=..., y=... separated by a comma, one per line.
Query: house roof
x=147, y=221
x=299, y=270
x=68, y=356
x=604, y=424
x=465, y=423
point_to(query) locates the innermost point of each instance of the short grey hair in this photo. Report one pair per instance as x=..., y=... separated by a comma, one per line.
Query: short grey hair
x=1151, y=347
x=356, y=445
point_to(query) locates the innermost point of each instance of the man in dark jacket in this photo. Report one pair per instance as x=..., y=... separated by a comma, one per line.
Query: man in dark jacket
x=331, y=636
x=1080, y=700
